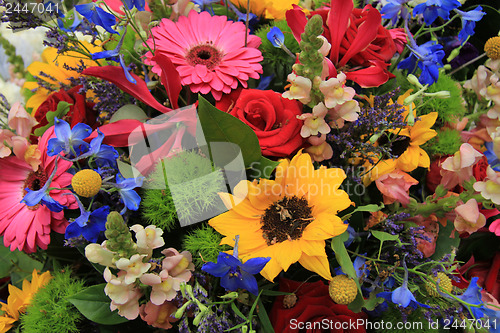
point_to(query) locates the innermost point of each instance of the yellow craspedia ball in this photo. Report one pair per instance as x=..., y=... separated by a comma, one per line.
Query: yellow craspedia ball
x=86, y=183
x=343, y=289
x=492, y=48
x=444, y=285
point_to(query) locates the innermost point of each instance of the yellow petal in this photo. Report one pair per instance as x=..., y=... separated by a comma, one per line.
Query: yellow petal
x=325, y=226
x=287, y=253
x=231, y=224
x=312, y=247
x=317, y=264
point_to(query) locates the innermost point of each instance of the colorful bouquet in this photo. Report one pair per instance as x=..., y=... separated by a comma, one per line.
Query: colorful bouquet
x=250, y=166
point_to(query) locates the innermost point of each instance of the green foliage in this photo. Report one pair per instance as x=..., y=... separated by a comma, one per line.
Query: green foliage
x=449, y=109
x=273, y=56
x=13, y=58
x=446, y=142
x=204, y=244
x=93, y=303
x=50, y=310
x=415, y=322
x=17, y=264
x=194, y=183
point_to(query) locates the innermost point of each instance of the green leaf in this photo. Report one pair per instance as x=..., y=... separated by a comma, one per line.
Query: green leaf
x=372, y=301
x=384, y=236
x=94, y=305
x=447, y=239
x=343, y=257
x=267, y=327
x=17, y=264
x=262, y=168
x=219, y=126
x=367, y=208
x=62, y=109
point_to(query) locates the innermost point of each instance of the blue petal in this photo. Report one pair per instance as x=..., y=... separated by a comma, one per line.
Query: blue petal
x=125, y=70
x=33, y=198
x=106, y=156
x=231, y=282
x=62, y=130
x=249, y=283
x=276, y=37
x=402, y=296
x=105, y=54
x=83, y=219
x=81, y=131
x=216, y=269
x=131, y=199
x=255, y=265
x=55, y=146
x=229, y=260
x=51, y=203
x=73, y=230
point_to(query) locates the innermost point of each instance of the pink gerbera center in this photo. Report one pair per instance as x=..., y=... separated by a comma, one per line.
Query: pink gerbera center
x=35, y=180
x=204, y=54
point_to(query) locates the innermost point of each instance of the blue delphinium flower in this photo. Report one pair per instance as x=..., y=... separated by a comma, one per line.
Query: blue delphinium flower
x=205, y=5
x=103, y=155
x=126, y=70
x=68, y=140
x=391, y=10
x=126, y=187
x=139, y=4
x=469, y=20
x=429, y=58
x=493, y=160
x=233, y=273
x=402, y=296
x=472, y=295
x=72, y=27
x=276, y=37
x=265, y=81
x=88, y=224
x=97, y=16
x=431, y=9
x=41, y=196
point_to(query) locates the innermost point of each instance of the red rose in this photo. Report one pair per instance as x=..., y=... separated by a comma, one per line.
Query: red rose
x=479, y=169
x=433, y=177
x=272, y=117
x=314, y=310
x=80, y=111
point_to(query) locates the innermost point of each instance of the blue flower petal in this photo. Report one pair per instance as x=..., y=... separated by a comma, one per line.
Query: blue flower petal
x=255, y=265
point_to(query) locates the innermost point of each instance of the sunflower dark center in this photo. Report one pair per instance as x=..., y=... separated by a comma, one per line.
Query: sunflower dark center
x=35, y=180
x=286, y=219
x=398, y=143
x=204, y=55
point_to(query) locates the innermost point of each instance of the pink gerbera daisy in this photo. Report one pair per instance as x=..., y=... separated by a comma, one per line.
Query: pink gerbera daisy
x=208, y=52
x=24, y=227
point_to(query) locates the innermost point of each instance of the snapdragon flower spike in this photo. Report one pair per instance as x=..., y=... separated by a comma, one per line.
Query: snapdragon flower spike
x=67, y=139
x=129, y=196
x=432, y=9
x=139, y=4
x=41, y=196
x=88, y=224
x=233, y=273
x=469, y=20
x=97, y=16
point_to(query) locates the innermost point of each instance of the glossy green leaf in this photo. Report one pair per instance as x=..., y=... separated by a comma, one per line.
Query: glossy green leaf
x=94, y=305
x=221, y=127
x=62, y=109
x=262, y=168
x=384, y=236
x=447, y=239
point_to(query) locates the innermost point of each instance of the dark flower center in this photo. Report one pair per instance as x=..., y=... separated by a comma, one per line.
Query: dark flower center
x=399, y=143
x=204, y=54
x=286, y=219
x=35, y=180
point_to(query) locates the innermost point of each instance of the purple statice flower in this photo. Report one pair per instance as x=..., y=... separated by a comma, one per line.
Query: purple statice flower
x=469, y=20
x=432, y=9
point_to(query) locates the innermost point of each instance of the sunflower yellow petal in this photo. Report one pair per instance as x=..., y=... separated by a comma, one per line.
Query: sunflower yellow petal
x=317, y=264
x=287, y=253
x=313, y=248
x=232, y=224
x=325, y=226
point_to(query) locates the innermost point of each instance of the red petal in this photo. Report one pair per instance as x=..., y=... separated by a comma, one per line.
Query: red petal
x=169, y=78
x=114, y=74
x=369, y=77
x=338, y=22
x=296, y=20
x=367, y=31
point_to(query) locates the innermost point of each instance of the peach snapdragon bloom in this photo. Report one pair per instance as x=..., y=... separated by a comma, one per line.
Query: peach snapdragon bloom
x=124, y=296
x=335, y=91
x=490, y=187
x=458, y=168
x=348, y=111
x=320, y=152
x=134, y=267
x=314, y=122
x=160, y=316
x=148, y=238
x=468, y=218
x=300, y=88
x=395, y=186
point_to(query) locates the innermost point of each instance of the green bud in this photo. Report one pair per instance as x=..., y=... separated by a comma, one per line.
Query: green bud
x=180, y=311
x=440, y=94
x=119, y=236
x=453, y=54
x=244, y=329
x=414, y=80
x=231, y=295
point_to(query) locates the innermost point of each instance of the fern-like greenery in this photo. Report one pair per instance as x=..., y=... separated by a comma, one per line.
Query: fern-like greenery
x=446, y=142
x=50, y=311
x=204, y=244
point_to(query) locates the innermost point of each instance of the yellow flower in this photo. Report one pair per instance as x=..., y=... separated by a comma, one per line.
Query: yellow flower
x=406, y=145
x=19, y=299
x=53, y=65
x=270, y=9
x=286, y=219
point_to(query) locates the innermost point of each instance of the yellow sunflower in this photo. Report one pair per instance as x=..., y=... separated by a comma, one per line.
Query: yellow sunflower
x=406, y=145
x=19, y=299
x=53, y=65
x=269, y=9
x=286, y=219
